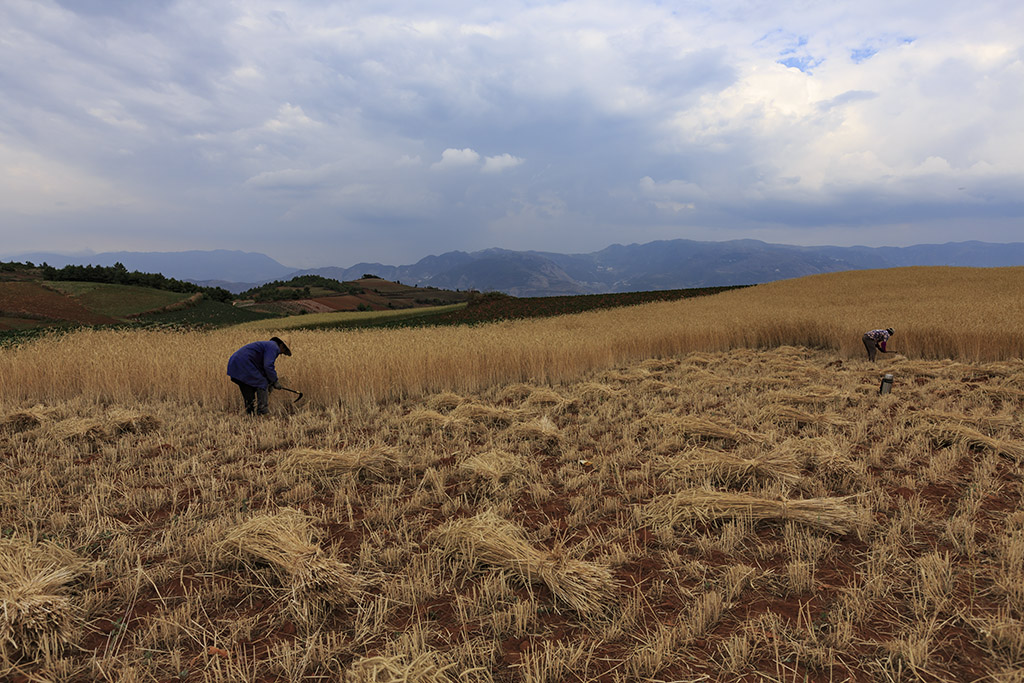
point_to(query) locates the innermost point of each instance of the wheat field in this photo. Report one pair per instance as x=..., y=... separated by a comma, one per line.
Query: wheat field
x=964, y=313
x=647, y=512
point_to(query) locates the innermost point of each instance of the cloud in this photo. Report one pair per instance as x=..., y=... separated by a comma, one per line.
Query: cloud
x=289, y=117
x=500, y=163
x=456, y=158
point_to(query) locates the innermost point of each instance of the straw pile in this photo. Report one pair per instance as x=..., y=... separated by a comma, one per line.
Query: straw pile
x=495, y=466
x=37, y=616
x=285, y=540
x=80, y=428
x=836, y=515
x=700, y=429
x=731, y=468
x=491, y=540
x=120, y=421
x=541, y=433
x=445, y=401
x=427, y=420
x=948, y=434
x=422, y=668
x=24, y=420
x=596, y=390
x=489, y=415
x=372, y=462
x=514, y=393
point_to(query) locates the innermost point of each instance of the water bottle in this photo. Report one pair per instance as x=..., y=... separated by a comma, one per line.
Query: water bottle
x=886, y=385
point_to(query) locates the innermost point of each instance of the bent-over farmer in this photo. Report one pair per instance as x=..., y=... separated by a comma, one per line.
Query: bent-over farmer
x=875, y=340
x=252, y=369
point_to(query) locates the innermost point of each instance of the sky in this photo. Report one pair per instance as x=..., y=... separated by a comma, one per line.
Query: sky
x=332, y=133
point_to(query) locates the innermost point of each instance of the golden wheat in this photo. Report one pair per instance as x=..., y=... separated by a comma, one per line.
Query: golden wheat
x=972, y=314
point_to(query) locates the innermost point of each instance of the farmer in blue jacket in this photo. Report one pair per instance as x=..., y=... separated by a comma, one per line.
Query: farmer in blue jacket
x=252, y=369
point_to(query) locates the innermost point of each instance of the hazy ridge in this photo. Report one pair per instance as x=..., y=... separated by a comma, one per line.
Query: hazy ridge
x=669, y=264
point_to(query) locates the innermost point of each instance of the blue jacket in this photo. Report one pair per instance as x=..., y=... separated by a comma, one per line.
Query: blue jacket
x=253, y=364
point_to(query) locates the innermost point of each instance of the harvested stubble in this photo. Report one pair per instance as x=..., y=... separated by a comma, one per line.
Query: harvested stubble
x=987, y=422
x=285, y=540
x=948, y=434
x=836, y=515
x=810, y=396
x=489, y=539
x=731, y=468
x=370, y=462
x=784, y=413
x=37, y=615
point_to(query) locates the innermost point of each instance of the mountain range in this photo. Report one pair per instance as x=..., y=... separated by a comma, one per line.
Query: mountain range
x=669, y=264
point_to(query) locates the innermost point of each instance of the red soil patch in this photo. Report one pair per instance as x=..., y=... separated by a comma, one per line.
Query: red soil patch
x=34, y=300
x=345, y=302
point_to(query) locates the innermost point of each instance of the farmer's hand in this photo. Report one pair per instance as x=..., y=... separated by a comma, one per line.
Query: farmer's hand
x=276, y=384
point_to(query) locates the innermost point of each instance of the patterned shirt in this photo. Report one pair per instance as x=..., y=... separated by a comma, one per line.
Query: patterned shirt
x=879, y=335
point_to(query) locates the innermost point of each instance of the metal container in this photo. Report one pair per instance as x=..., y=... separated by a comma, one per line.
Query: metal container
x=886, y=386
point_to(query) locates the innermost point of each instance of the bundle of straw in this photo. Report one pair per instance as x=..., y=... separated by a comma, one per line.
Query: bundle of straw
x=831, y=514
x=422, y=668
x=542, y=430
x=37, y=616
x=596, y=390
x=489, y=539
x=285, y=540
x=80, y=428
x=732, y=468
x=427, y=420
x=476, y=412
x=493, y=465
x=375, y=462
x=121, y=421
x=446, y=401
x=701, y=429
x=948, y=434
x=515, y=392
x=24, y=420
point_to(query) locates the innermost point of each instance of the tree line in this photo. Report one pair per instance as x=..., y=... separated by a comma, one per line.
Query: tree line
x=119, y=275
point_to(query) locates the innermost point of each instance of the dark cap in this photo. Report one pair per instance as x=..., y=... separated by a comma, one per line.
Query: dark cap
x=284, y=347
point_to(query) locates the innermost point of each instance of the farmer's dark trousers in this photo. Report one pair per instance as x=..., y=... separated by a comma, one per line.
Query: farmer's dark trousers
x=256, y=400
x=871, y=345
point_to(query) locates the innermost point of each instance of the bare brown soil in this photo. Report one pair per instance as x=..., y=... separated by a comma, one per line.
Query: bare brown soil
x=36, y=300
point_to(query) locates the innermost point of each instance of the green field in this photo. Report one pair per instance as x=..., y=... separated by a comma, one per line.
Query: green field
x=207, y=313
x=117, y=301
x=341, y=319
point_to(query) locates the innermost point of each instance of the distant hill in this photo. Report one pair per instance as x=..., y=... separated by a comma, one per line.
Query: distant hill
x=219, y=264
x=667, y=264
